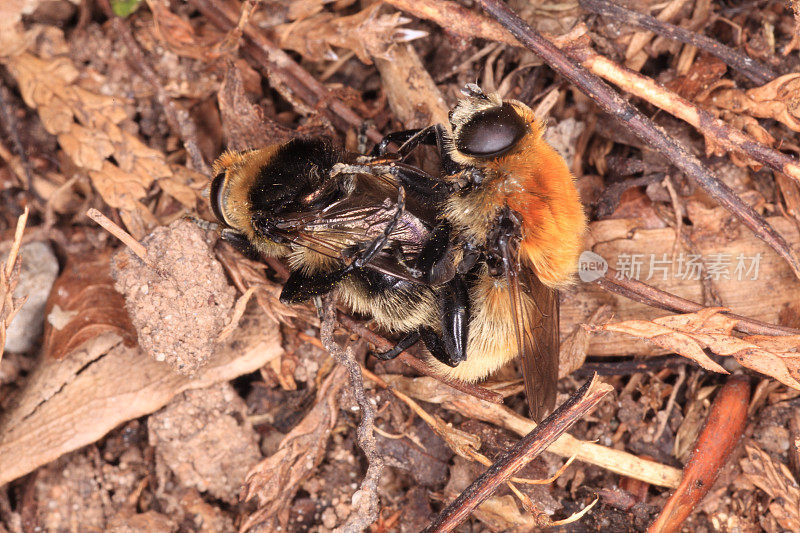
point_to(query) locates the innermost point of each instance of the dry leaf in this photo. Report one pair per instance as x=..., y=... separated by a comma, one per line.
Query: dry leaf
x=244, y=124
x=87, y=127
x=275, y=480
x=778, y=99
x=9, y=278
x=83, y=305
x=366, y=34
x=776, y=480
x=689, y=334
x=75, y=401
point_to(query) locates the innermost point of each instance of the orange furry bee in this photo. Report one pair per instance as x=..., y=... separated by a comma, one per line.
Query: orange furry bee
x=515, y=217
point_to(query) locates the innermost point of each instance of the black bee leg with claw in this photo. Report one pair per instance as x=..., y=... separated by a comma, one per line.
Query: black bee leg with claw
x=301, y=286
x=451, y=346
x=408, y=140
x=404, y=344
x=241, y=243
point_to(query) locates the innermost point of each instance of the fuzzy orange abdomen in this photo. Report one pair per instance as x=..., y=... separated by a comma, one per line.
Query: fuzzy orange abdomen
x=553, y=222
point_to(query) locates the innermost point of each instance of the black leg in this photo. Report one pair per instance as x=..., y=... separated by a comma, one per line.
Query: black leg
x=455, y=319
x=301, y=287
x=434, y=263
x=405, y=343
x=407, y=140
x=451, y=347
x=434, y=345
x=241, y=243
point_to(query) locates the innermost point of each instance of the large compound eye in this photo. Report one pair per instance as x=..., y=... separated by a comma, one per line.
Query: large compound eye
x=216, y=198
x=491, y=132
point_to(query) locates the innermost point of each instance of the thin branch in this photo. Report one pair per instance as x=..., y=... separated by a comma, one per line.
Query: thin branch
x=576, y=45
x=525, y=450
x=647, y=294
x=630, y=366
x=365, y=501
x=754, y=70
x=126, y=238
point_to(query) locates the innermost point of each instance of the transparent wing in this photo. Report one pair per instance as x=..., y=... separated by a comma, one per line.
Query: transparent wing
x=534, y=309
x=335, y=230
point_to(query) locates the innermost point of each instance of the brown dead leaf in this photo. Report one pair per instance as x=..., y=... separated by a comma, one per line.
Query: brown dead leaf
x=75, y=401
x=366, y=34
x=572, y=353
x=175, y=32
x=778, y=99
x=9, y=278
x=275, y=480
x=83, y=305
x=244, y=124
x=702, y=75
x=689, y=334
x=776, y=480
x=87, y=124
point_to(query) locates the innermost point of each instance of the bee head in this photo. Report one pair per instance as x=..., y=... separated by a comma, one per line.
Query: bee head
x=491, y=132
x=483, y=126
x=216, y=197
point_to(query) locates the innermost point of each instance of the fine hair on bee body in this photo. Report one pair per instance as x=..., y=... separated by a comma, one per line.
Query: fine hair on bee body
x=517, y=224
x=297, y=201
x=476, y=282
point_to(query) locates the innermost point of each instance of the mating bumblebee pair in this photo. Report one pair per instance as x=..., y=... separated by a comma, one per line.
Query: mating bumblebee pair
x=467, y=261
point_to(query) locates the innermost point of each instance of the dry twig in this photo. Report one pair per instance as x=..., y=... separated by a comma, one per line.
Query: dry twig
x=753, y=69
x=531, y=445
x=9, y=277
x=623, y=463
x=576, y=46
x=365, y=500
x=642, y=292
x=723, y=429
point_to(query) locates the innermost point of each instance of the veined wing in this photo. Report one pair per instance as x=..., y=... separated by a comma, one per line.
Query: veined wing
x=534, y=309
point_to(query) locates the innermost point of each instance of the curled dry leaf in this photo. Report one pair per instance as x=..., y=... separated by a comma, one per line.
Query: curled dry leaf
x=244, y=124
x=776, y=480
x=778, y=99
x=366, y=34
x=83, y=305
x=275, y=480
x=689, y=334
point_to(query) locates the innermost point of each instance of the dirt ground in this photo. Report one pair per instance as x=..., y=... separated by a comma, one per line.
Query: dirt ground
x=169, y=389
